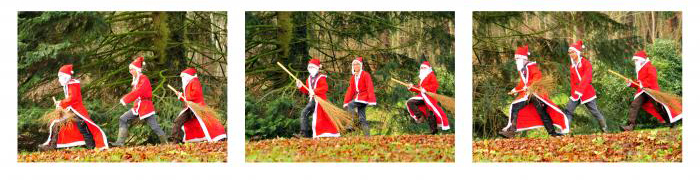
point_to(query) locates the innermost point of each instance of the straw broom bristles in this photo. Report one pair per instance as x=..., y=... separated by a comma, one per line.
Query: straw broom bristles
x=446, y=101
x=673, y=101
x=542, y=86
x=339, y=117
x=63, y=117
x=207, y=113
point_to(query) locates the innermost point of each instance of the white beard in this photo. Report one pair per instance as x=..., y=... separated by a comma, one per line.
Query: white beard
x=63, y=79
x=424, y=73
x=573, y=62
x=638, y=64
x=313, y=71
x=519, y=63
x=135, y=79
x=186, y=80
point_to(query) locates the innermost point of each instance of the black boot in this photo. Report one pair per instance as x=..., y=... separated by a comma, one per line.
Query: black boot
x=432, y=123
x=546, y=120
x=308, y=133
x=303, y=134
x=51, y=145
x=87, y=135
x=550, y=127
x=510, y=131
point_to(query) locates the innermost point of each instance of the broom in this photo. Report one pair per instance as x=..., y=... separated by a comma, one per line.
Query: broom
x=542, y=86
x=673, y=101
x=201, y=110
x=63, y=116
x=339, y=117
x=446, y=101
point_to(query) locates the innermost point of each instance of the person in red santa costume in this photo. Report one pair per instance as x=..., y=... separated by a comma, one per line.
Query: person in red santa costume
x=530, y=111
x=582, y=91
x=647, y=78
x=360, y=93
x=83, y=131
x=422, y=104
x=141, y=95
x=321, y=126
x=191, y=126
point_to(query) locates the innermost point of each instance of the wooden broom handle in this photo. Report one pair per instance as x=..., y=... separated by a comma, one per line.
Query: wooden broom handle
x=58, y=107
x=405, y=84
x=623, y=77
x=290, y=74
x=180, y=95
x=515, y=92
x=55, y=103
x=176, y=92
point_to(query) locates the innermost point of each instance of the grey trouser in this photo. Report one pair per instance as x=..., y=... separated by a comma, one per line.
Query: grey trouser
x=151, y=120
x=361, y=114
x=304, y=117
x=360, y=111
x=592, y=108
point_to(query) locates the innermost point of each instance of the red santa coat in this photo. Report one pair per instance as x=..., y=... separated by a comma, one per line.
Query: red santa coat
x=430, y=84
x=141, y=95
x=202, y=127
x=361, y=89
x=322, y=126
x=581, y=75
x=528, y=118
x=647, y=78
x=69, y=135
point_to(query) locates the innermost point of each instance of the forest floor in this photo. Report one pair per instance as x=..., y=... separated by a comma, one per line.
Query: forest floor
x=649, y=145
x=188, y=152
x=394, y=148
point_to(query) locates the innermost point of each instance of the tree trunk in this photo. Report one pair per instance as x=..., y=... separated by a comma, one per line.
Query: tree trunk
x=175, y=50
x=299, y=53
x=284, y=35
x=160, y=41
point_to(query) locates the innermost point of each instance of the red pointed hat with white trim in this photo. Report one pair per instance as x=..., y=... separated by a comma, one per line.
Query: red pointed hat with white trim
x=640, y=54
x=522, y=51
x=577, y=46
x=189, y=71
x=315, y=62
x=358, y=59
x=66, y=69
x=425, y=63
x=137, y=64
